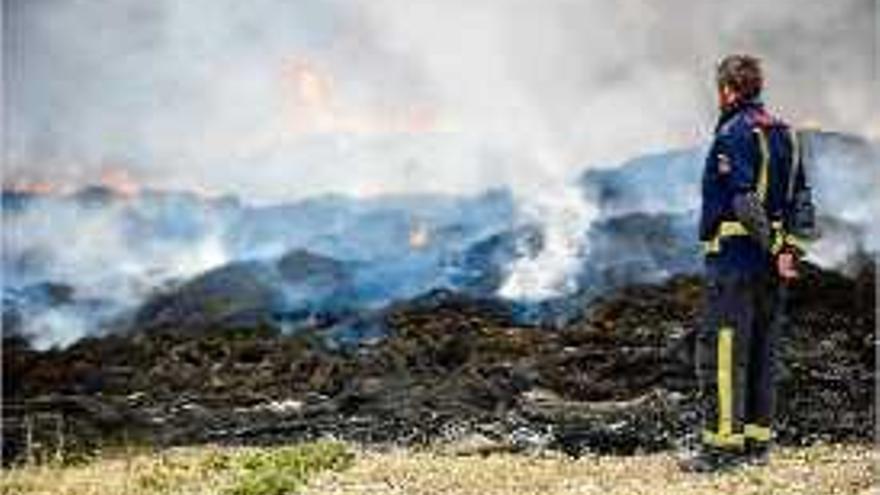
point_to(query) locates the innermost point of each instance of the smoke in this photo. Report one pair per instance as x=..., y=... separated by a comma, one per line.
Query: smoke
x=278, y=100
x=109, y=248
x=554, y=269
x=109, y=254
x=57, y=327
x=846, y=175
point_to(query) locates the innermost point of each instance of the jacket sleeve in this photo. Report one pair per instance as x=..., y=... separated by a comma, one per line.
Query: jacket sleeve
x=799, y=223
x=712, y=207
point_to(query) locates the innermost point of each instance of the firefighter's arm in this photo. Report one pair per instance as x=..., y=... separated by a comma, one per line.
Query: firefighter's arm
x=712, y=209
x=799, y=222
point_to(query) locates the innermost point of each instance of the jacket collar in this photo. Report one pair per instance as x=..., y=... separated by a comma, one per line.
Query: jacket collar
x=727, y=114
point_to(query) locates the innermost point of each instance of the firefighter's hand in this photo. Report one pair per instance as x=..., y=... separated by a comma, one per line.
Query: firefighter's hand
x=786, y=266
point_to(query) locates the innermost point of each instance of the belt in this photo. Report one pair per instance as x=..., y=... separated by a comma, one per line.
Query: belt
x=725, y=229
x=729, y=228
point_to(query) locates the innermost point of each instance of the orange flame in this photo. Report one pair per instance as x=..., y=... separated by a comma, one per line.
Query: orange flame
x=314, y=88
x=313, y=106
x=120, y=181
x=419, y=236
x=32, y=186
x=310, y=100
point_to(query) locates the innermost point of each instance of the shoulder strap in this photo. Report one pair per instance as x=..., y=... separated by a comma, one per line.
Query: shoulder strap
x=763, y=166
x=795, y=163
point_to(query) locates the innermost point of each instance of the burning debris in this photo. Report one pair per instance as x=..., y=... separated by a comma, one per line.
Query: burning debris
x=381, y=319
x=546, y=313
x=419, y=235
x=394, y=248
x=451, y=366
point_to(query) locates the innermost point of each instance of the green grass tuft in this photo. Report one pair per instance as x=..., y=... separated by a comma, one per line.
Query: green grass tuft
x=284, y=470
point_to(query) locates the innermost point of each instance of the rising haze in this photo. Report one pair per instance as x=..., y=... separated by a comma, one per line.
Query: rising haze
x=275, y=100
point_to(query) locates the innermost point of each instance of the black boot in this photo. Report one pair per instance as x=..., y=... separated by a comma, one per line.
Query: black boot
x=710, y=460
x=757, y=453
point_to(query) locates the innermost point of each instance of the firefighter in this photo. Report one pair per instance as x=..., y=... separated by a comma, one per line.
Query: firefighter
x=754, y=201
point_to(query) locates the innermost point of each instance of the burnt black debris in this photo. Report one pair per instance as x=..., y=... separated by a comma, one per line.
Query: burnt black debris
x=451, y=368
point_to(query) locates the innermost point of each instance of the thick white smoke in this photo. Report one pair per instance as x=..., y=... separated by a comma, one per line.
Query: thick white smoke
x=553, y=269
x=110, y=266
x=279, y=100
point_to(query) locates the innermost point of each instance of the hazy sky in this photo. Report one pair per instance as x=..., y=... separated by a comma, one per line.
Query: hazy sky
x=277, y=99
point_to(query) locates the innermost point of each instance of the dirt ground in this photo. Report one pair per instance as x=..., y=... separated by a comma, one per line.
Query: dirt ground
x=828, y=469
x=818, y=470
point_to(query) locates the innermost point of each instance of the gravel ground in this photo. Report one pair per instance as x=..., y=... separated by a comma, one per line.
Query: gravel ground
x=826, y=469
x=818, y=470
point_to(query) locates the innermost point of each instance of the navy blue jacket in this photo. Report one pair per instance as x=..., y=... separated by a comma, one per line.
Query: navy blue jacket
x=737, y=165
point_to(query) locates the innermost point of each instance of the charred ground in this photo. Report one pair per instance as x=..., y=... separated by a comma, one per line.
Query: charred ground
x=451, y=367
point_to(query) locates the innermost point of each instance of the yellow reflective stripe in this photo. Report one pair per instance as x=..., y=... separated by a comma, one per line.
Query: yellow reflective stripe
x=726, y=229
x=795, y=162
x=798, y=242
x=757, y=432
x=724, y=437
x=782, y=239
x=718, y=440
x=729, y=229
x=778, y=242
x=778, y=237
x=732, y=229
x=725, y=382
x=764, y=169
x=710, y=247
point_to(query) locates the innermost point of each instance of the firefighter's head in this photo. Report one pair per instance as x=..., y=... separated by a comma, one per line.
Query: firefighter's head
x=739, y=78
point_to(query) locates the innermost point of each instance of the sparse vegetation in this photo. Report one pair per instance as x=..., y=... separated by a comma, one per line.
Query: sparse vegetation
x=191, y=471
x=276, y=472
x=816, y=470
x=327, y=468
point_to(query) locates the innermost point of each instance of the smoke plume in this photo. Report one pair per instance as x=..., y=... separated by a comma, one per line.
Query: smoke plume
x=276, y=100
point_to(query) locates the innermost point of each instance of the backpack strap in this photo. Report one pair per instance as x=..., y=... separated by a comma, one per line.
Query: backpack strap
x=778, y=236
x=763, y=179
x=795, y=163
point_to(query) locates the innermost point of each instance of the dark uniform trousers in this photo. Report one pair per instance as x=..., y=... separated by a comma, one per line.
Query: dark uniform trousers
x=735, y=359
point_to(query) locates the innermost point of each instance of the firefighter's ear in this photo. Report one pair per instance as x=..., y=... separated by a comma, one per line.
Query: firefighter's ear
x=724, y=166
x=727, y=96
